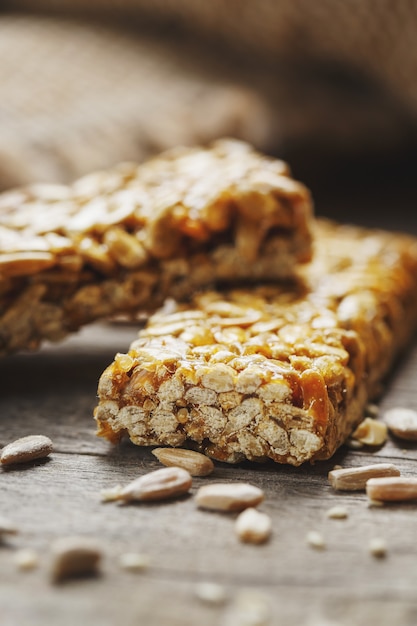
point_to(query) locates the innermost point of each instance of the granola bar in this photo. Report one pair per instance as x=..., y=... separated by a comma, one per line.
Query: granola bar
x=125, y=239
x=270, y=372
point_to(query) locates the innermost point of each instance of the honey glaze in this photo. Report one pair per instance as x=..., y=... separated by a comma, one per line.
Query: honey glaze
x=315, y=396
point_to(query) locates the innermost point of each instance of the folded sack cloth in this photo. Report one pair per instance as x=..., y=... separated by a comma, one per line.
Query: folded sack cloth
x=340, y=74
x=75, y=97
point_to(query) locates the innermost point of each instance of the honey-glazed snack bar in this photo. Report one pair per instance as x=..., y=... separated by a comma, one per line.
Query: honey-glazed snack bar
x=270, y=372
x=123, y=240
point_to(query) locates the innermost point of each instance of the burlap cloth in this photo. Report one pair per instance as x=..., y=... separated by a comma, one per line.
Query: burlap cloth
x=76, y=95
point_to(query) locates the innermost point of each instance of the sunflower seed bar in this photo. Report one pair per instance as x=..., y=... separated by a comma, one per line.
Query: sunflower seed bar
x=124, y=240
x=270, y=372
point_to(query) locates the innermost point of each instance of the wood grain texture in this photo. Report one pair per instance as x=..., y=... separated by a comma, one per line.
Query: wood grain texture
x=53, y=393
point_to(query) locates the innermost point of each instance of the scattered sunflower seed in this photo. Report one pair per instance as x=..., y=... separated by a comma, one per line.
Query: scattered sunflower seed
x=164, y=483
x=195, y=463
x=26, y=449
x=402, y=423
x=228, y=496
x=355, y=478
x=392, y=489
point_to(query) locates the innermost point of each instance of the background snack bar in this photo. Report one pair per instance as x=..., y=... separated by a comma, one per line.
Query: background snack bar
x=123, y=240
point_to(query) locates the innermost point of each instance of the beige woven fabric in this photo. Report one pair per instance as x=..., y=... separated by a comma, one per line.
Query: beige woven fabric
x=376, y=37
x=76, y=97
x=324, y=75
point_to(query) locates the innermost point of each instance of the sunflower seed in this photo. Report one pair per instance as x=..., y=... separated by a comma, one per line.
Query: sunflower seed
x=229, y=496
x=195, y=463
x=26, y=449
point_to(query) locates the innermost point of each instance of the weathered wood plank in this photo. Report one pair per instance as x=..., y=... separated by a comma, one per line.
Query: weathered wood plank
x=144, y=600
x=187, y=545
x=53, y=393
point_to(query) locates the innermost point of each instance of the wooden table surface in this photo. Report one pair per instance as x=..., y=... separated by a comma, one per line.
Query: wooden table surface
x=284, y=582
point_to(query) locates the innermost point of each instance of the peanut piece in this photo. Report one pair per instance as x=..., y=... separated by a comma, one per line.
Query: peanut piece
x=74, y=557
x=26, y=449
x=229, y=496
x=370, y=432
x=195, y=463
x=402, y=423
x=355, y=478
x=253, y=527
x=391, y=489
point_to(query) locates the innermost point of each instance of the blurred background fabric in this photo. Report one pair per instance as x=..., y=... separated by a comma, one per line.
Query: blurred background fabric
x=76, y=97
x=86, y=84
